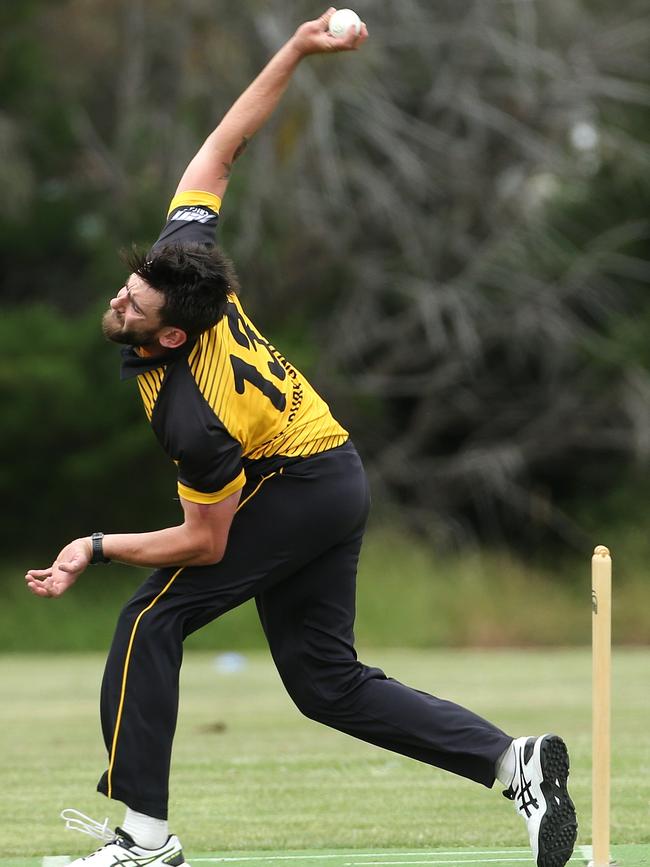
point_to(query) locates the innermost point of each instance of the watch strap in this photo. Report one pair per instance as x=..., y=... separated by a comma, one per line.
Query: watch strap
x=97, y=540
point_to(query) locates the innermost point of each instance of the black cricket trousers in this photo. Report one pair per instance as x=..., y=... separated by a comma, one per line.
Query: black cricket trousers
x=294, y=546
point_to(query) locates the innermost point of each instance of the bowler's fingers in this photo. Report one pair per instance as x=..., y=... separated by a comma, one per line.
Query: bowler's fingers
x=363, y=35
x=50, y=587
x=324, y=19
x=42, y=582
x=349, y=42
x=39, y=574
x=352, y=40
x=36, y=587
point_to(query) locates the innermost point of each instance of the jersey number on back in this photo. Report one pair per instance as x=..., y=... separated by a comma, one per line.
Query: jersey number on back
x=245, y=372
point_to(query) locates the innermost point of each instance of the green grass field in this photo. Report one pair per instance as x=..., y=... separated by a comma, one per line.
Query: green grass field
x=255, y=782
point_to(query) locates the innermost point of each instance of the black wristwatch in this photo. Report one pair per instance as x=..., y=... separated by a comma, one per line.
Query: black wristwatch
x=98, y=549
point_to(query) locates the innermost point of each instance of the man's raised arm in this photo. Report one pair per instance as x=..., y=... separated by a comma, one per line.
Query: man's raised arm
x=210, y=169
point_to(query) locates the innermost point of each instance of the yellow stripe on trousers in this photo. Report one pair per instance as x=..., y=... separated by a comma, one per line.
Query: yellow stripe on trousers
x=127, y=660
x=125, y=675
x=263, y=479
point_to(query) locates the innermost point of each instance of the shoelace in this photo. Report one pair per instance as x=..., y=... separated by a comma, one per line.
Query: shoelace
x=76, y=821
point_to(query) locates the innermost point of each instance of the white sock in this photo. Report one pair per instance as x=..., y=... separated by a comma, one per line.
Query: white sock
x=505, y=767
x=147, y=832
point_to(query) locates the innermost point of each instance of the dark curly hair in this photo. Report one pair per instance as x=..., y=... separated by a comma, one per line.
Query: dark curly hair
x=194, y=279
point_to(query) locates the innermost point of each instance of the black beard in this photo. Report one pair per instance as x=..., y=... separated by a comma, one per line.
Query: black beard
x=114, y=331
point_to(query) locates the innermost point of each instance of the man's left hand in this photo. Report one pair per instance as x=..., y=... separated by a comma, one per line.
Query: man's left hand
x=68, y=566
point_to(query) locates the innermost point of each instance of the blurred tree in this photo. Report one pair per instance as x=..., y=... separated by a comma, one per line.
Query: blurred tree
x=448, y=231
x=76, y=454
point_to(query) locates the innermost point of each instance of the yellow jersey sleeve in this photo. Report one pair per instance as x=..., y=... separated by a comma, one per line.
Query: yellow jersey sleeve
x=195, y=199
x=193, y=496
x=192, y=218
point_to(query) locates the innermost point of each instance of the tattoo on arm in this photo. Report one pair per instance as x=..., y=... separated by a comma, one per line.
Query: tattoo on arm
x=243, y=144
x=227, y=167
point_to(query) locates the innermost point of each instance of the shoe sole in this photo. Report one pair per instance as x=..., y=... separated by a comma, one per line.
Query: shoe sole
x=559, y=827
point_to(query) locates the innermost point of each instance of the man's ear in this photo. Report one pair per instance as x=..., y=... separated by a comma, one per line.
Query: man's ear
x=172, y=338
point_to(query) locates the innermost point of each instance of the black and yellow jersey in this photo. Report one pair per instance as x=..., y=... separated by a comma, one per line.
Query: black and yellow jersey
x=228, y=405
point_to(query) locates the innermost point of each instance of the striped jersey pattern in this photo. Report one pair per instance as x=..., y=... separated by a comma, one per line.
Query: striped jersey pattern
x=261, y=399
x=233, y=394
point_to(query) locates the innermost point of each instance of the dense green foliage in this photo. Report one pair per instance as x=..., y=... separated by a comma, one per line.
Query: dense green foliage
x=448, y=232
x=77, y=453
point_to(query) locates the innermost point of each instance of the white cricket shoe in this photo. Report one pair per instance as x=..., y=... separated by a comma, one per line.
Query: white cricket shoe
x=120, y=848
x=539, y=791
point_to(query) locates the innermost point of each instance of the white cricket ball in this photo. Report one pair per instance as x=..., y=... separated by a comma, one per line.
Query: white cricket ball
x=342, y=20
